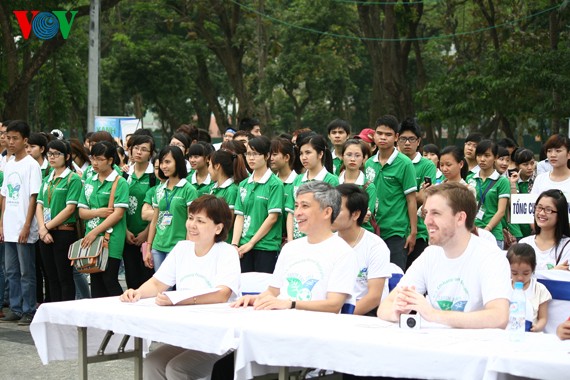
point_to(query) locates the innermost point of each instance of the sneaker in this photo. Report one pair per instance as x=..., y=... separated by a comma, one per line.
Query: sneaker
x=25, y=320
x=10, y=316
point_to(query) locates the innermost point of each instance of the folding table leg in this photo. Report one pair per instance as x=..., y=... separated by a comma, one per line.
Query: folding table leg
x=82, y=339
x=283, y=373
x=138, y=359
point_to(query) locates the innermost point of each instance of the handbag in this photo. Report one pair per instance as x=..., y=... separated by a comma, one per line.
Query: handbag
x=372, y=220
x=94, y=258
x=508, y=239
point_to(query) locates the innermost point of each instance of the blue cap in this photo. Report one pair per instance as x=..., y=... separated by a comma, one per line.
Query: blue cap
x=518, y=285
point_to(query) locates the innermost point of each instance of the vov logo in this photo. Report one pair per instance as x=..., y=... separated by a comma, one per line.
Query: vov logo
x=45, y=24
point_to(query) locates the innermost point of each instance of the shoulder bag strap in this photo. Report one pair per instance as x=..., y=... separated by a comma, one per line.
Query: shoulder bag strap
x=111, y=205
x=559, y=254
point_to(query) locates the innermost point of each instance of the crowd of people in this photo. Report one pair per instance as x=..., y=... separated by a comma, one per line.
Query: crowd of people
x=331, y=217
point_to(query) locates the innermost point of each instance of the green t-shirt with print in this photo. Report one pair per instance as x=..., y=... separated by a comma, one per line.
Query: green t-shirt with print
x=138, y=187
x=372, y=199
x=393, y=181
x=89, y=172
x=488, y=194
x=56, y=193
x=290, y=197
x=337, y=164
x=229, y=194
x=424, y=168
x=172, y=213
x=202, y=188
x=96, y=195
x=255, y=201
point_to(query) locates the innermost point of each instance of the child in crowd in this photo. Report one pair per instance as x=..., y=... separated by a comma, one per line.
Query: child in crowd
x=522, y=259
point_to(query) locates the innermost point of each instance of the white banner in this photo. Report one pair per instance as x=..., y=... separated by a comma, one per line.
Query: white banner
x=522, y=208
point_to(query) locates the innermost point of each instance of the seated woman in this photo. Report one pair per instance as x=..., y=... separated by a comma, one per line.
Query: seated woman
x=205, y=260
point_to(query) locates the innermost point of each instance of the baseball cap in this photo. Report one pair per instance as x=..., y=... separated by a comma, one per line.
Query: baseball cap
x=367, y=134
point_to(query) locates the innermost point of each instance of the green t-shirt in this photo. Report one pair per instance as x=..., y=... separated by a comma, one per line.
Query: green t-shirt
x=255, y=201
x=138, y=187
x=337, y=163
x=227, y=191
x=393, y=181
x=498, y=187
x=202, y=188
x=172, y=213
x=89, y=172
x=323, y=175
x=46, y=168
x=96, y=195
x=370, y=189
x=56, y=193
x=424, y=168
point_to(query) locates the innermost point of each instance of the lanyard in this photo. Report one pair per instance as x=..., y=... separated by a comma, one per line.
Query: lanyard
x=483, y=193
x=171, y=196
x=51, y=189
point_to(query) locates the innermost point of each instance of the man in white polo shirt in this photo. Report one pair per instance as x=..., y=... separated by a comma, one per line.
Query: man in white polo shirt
x=316, y=272
x=467, y=278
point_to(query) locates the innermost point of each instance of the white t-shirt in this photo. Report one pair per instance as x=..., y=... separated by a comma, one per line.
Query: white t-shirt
x=487, y=235
x=547, y=259
x=219, y=267
x=481, y=274
x=373, y=260
x=543, y=183
x=21, y=179
x=307, y=272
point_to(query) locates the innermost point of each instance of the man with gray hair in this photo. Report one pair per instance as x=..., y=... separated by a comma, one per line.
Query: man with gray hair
x=316, y=272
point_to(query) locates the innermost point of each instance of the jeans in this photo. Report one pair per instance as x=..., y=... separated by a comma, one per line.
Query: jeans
x=3, y=280
x=21, y=273
x=157, y=258
x=501, y=244
x=81, y=285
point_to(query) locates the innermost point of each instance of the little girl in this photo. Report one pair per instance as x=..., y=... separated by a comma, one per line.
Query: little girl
x=522, y=259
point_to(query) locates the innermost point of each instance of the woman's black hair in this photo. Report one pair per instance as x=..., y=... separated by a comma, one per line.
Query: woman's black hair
x=141, y=139
x=183, y=139
x=63, y=147
x=232, y=164
x=459, y=156
x=503, y=152
x=432, y=148
x=285, y=147
x=522, y=155
x=178, y=157
x=262, y=145
x=484, y=146
x=562, y=228
x=319, y=144
x=107, y=150
x=39, y=140
x=201, y=148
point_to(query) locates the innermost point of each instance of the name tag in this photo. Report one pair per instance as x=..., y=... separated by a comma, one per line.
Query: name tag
x=47, y=214
x=166, y=219
x=480, y=214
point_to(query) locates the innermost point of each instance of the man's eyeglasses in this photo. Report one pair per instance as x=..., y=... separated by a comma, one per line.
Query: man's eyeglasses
x=409, y=139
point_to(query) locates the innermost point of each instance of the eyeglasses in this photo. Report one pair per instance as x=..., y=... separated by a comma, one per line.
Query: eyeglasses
x=356, y=156
x=409, y=139
x=54, y=154
x=181, y=146
x=98, y=159
x=142, y=149
x=253, y=154
x=547, y=210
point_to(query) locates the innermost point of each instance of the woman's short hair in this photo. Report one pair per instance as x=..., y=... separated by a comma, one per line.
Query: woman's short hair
x=216, y=209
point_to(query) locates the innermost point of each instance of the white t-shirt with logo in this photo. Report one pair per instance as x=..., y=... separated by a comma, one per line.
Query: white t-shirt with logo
x=543, y=183
x=307, y=272
x=21, y=179
x=219, y=267
x=373, y=259
x=547, y=259
x=466, y=283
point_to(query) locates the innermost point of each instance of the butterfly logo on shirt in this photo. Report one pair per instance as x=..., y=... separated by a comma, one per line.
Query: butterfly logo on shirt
x=299, y=290
x=453, y=306
x=14, y=191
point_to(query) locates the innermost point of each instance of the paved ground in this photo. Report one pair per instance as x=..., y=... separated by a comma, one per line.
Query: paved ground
x=19, y=360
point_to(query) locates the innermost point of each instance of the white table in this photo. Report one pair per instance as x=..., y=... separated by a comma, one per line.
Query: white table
x=370, y=347
x=292, y=338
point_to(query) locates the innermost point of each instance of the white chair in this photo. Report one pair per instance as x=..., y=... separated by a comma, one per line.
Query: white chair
x=254, y=282
x=558, y=284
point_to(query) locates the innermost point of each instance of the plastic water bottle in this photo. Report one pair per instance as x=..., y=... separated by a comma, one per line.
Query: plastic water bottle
x=517, y=314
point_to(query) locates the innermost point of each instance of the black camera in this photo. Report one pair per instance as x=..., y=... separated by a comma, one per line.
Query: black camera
x=410, y=321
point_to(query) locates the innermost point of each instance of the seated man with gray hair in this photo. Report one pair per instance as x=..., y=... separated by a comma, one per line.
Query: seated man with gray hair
x=316, y=272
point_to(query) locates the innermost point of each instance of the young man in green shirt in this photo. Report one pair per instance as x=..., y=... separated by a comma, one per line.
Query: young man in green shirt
x=409, y=140
x=338, y=131
x=394, y=176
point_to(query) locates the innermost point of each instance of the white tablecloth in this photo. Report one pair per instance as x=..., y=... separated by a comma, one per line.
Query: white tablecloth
x=207, y=328
x=370, y=347
x=346, y=343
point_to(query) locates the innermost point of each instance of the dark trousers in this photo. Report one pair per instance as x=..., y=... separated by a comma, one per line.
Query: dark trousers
x=135, y=272
x=398, y=254
x=257, y=260
x=421, y=245
x=106, y=284
x=59, y=272
x=41, y=277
